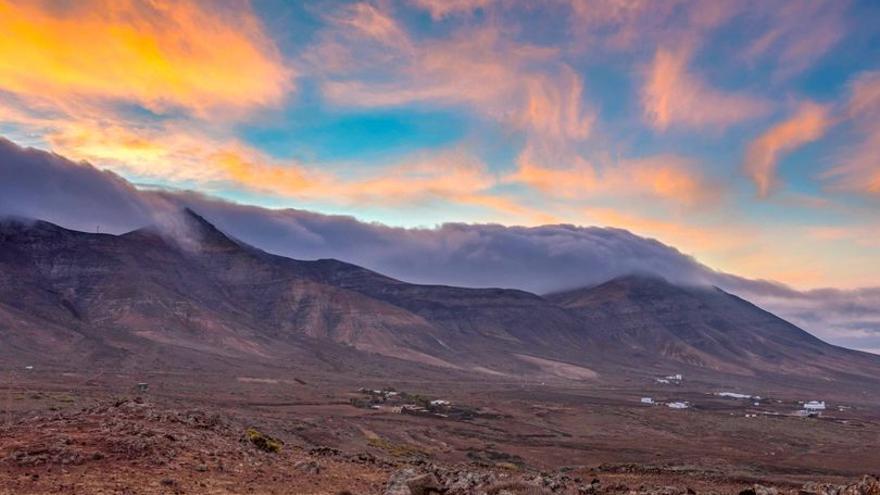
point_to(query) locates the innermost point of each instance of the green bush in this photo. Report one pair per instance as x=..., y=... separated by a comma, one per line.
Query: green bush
x=262, y=441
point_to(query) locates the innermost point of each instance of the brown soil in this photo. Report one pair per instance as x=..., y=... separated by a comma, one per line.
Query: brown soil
x=189, y=434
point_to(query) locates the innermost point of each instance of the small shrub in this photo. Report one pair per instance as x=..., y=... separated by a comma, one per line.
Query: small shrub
x=395, y=449
x=517, y=487
x=262, y=441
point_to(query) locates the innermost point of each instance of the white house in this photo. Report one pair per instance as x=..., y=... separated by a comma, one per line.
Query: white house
x=647, y=400
x=733, y=395
x=676, y=379
x=815, y=405
x=678, y=405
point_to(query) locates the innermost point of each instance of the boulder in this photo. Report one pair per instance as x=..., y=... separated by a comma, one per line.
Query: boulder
x=411, y=482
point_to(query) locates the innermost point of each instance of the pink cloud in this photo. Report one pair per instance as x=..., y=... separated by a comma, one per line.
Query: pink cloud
x=519, y=84
x=672, y=179
x=372, y=22
x=808, y=123
x=629, y=24
x=444, y=8
x=859, y=169
x=673, y=96
x=786, y=42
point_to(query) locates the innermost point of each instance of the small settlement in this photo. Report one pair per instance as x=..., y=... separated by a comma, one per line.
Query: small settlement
x=812, y=409
x=675, y=379
x=750, y=403
x=395, y=402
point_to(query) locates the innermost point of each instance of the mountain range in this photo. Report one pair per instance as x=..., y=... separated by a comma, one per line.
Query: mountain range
x=194, y=297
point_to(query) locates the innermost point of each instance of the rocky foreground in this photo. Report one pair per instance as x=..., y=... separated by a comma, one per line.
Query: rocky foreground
x=130, y=446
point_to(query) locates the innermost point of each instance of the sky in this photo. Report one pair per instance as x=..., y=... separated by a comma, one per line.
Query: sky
x=746, y=134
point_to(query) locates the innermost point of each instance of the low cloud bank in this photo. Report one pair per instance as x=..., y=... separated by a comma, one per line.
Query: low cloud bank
x=41, y=185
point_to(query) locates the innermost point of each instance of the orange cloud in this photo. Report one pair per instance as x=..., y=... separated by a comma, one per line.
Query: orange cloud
x=570, y=182
x=706, y=241
x=172, y=152
x=671, y=178
x=776, y=252
x=673, y=96
x=807, y=124
x=162, y=55
x=450, y=175
x=862, y=235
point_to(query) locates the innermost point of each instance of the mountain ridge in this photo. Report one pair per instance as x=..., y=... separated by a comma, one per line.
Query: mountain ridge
x=222, y=298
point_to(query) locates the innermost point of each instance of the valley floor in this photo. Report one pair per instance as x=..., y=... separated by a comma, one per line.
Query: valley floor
x=63, y=432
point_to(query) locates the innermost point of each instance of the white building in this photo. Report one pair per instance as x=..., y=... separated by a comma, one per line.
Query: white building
x=647, y=400
x=678, y=405
x=676, y=379
x=733, y=395
x=815, y=405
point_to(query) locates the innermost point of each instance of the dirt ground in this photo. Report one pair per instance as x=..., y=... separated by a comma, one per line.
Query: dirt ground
x=66, y=432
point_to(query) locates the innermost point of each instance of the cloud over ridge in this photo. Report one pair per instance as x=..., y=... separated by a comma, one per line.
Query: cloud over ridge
x=542, y=259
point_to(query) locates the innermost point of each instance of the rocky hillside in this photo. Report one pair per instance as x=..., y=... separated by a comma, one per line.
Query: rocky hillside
x=191, y=296
x=135, y=446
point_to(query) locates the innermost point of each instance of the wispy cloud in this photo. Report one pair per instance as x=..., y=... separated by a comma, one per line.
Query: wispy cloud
x=807, y=124
x=444, y=8
x=669, y=178
x=785, y=42
x=673, y=96
x=625, y=25
x=859, y=168
x=518, y=84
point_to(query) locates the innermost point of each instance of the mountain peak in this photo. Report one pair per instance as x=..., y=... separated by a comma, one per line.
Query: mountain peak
x=197, y=221
x=208, y=235
x=187, y=229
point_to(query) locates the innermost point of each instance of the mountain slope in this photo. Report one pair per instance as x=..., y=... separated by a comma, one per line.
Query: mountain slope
x=706, y=327
x=193, y=296
x=207, y=294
